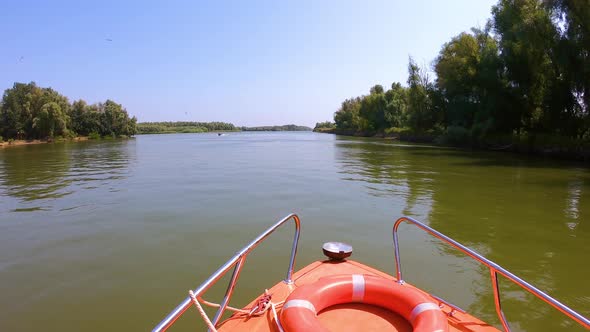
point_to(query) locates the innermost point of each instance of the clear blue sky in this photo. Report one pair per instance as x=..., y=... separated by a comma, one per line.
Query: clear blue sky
x=245, y=62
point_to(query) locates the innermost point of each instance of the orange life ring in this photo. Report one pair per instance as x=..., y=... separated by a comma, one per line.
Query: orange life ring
x=301, y=307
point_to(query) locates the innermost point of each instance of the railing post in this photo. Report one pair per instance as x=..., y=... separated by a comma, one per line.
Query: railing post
x=289, y=279
x=497, y=300
x=398, y=267
x=230, y=290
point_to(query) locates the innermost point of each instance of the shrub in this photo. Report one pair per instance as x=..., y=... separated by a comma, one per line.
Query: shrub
x=325, y=125
x=94, y=135
x=457, y=135
x=69, y=134
x=398, y=131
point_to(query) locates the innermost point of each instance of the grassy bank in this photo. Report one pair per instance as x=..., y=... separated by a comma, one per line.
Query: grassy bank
x=12, y=142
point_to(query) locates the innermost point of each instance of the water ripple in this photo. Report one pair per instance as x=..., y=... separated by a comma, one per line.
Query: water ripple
x=33, y=178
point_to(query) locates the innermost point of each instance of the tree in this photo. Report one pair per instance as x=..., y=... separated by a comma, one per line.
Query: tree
x=22, y=104
x=470, y=86
x=527, y=40
x=573, y=59
x=526, y=73
x=372, y=110
x=77, y=116
x=50, y=120
x=397, y=105
x=420, y=111
x=377, y=89
x=17, y=109
x=115, y=121
x=324, y=125
x=456, y=69
x=347, y=117
x=28, y=111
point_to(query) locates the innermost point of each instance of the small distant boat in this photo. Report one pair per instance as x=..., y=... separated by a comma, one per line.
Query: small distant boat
x=340, y=294
x=219, y=134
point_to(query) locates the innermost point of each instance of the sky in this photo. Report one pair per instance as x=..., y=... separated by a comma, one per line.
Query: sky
x=245, y=62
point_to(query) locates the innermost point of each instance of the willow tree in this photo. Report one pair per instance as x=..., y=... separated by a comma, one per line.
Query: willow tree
x=28, y=110
x=397, y=106
x=50, y=121
x=527, y=40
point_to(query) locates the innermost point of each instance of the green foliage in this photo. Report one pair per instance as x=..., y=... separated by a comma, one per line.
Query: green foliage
x=525, y=74
x=347, y=117
x=457, y=135
x=182, y=127
x=115, y=121
x=398, y=131
x=30, y=112
x=527, y=38
x=1, y=139
x=377, y=89
x=324, y=125
x=289, y=127
x=68, y=134
x=468, y=80
x=149, y=128
x=93, y=135
x=372, y=110
x=410, y=107
x=50, y=121
x=421, y=116
x=396, y=108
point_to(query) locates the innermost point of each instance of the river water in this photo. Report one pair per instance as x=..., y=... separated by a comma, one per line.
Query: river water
x=110, y=235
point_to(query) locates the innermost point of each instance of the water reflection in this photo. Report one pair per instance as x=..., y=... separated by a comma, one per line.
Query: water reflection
x=388, y=170
x=572, y=210
x=526, y=214
x=32, y=178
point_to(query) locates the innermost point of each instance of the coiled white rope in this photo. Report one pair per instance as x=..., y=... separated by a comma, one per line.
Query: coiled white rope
x=270, y=305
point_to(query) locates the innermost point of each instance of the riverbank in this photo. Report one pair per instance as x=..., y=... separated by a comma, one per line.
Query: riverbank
x=19, y=142
x=544, y=146
x=207, y=127
x=187, y=132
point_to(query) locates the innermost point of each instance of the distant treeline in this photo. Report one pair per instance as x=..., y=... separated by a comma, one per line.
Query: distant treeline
x=522, y=79
x=203, y=127
x=289, y=127
x=28, y=111
x=183, y=127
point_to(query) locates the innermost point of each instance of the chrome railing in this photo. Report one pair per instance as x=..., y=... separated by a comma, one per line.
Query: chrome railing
x=238, y=261
x=494, y=270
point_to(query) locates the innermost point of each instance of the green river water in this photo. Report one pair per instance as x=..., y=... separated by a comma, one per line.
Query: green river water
x=110, y=235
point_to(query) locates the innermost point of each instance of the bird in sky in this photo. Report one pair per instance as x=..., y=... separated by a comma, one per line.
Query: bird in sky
x=108, y=39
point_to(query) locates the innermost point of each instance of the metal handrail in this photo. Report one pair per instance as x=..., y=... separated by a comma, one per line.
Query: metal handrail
x=494, y=270
x=238, y=261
